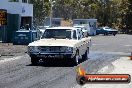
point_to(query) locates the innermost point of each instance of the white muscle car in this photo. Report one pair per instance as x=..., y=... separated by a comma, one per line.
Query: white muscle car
x=60, y=42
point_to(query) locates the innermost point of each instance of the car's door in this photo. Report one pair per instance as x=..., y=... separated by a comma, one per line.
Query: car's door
x=86, y=43
x=82, y=43
x=79, y=44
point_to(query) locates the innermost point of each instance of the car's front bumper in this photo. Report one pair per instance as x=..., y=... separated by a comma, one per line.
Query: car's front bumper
x=52, y=55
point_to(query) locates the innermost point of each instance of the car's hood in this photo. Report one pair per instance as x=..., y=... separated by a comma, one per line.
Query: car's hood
x=54, y=42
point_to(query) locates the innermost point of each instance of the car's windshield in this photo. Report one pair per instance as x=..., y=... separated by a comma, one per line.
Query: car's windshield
x=57, y=33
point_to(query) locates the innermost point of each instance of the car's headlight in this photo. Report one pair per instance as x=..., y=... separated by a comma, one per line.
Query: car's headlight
x=33, y=49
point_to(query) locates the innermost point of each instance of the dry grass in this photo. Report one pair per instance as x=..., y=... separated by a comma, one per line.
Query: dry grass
x=66, y=23
x=8, y=49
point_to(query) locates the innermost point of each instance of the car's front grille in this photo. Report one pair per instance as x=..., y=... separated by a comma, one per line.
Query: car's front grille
x=50, y=49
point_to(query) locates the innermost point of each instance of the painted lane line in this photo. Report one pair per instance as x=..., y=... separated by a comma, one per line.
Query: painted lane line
x=98, y=44
x=10, y=59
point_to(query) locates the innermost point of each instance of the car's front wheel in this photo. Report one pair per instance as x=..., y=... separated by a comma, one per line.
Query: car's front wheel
x=85, y=56
x=34, y=60
x=76, y=58
x=114, y=34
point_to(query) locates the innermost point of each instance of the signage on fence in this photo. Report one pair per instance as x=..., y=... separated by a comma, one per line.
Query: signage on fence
x=3, y=17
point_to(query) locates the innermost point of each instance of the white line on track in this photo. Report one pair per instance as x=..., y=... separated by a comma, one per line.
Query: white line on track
x=98, y=44
x=127, y=45
x=10, y=59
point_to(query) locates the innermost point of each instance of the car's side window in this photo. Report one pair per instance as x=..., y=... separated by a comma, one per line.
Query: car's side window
x=74, y=34
x=86, y=33
x=79, y=34
x=83, y=35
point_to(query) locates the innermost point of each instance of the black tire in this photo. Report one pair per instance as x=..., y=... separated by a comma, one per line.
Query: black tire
x=34, y=60
x=76, y=58
x=81, y=80
x=97, y=34
x=114, y=34
x=85, y=56
x=105, y=33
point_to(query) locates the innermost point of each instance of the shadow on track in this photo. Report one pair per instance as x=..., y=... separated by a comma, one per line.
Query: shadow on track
x=54, y=63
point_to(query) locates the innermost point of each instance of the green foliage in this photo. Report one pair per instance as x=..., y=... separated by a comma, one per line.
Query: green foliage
x=114, y=13
x=41, y=10
x=128, y=18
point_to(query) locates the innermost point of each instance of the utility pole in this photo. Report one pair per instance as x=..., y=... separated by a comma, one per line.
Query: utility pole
x=51, y=13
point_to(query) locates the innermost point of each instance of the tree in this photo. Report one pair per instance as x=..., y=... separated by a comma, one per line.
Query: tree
x=41, y=9
x=128, y=17
x=62, y=8
x=113, y=13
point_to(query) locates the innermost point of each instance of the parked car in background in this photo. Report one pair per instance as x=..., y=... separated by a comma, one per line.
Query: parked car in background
x=106, y=31
x=91, y=24
x=64, y=43
x=84, y=29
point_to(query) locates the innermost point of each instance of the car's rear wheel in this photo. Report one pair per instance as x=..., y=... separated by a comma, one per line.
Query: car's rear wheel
x=97, y=34
x=34, y=60
x=106, y=33
x=114, y=34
